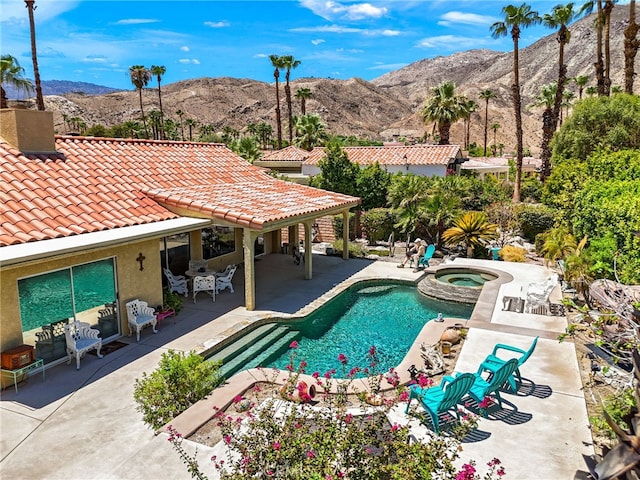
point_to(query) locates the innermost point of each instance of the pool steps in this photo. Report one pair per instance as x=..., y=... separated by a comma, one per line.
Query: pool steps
x=254, y=348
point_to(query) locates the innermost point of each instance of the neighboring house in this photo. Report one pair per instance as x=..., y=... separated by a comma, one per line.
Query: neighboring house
x=499, y=166
x=421, y=159
x=287, y=161
x=86, y=224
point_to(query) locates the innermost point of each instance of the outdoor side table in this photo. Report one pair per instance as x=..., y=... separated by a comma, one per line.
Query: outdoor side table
x=26, y=369
x=166, y=313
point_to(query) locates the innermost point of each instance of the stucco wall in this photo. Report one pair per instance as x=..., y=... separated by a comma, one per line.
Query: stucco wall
x=132, y=283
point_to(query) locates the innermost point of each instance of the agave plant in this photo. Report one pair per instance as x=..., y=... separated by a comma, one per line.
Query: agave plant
x=471, y=229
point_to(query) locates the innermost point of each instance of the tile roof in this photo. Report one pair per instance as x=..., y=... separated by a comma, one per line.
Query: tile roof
x=93, y=184
x=287, y=154
x=394, y=154
x=485, y=162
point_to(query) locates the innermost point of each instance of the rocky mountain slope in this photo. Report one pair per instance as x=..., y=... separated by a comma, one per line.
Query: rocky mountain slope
x=387, y=106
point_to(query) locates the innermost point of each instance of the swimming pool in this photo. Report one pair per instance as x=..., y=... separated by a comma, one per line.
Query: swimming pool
x=464, y=277
x=385, y=315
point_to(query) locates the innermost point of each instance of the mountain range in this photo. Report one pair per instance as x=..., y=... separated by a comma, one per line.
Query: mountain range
x=384, y=108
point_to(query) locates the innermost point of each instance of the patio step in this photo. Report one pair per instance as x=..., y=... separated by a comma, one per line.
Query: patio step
x=235, y=348
x=252, y=355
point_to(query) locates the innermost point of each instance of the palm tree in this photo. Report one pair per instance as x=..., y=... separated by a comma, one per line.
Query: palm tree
x=140, y=78
x=289, y=63
x=606, y=11
x=155, y=117
x=486, y=95
x=158, y=72
x=180, y=114
x=516, y=18
x=591, y=91
x=34, y=55
x=131, y=127
x=495, y=127
x=303, y=94
x=558, y=244
x=191, y=123
x=560, y=17
x=599, y=63
x=471, y=229
x=444, y=108
x=264, y=133
x=468, y=107
x=631, y=45
x=581, y=82
x=546, y=98
x=247, y=148
x=567, y=101
x=277, y=63
x=310, y=131
x=11, y=73
x=407, y=194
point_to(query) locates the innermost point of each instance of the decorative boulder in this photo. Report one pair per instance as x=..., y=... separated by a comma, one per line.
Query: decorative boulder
x=451, y=335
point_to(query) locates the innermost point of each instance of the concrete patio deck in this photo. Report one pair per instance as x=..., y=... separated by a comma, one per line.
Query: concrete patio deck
x=83, y=424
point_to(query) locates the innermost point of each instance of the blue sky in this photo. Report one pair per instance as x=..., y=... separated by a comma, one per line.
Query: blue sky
x=97, y=41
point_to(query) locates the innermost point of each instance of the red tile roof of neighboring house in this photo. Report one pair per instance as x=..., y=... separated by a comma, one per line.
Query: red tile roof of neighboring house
x=394, y=155
x=94, y=184
x=287, y=154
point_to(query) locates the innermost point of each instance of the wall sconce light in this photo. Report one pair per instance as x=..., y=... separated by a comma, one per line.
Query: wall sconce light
x=406, y=162
x=140, y=259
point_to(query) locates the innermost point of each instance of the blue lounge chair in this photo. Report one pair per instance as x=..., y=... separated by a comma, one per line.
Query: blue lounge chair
x=443, y=397
x=492, y=363
x=482, y=388
x=423, y=261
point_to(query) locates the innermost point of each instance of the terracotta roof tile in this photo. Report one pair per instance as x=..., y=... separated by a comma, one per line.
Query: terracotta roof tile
x=93, y=184
x=421, y=154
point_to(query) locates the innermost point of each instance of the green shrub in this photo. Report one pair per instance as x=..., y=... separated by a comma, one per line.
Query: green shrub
x=534, y=219
x=377, y=224
x=356, y=250
x=337, y=226
x=179, y=381
x=510, y=253
x=618, y=406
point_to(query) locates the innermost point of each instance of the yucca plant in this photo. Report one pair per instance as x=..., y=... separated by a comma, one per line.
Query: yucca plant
x=471, y=229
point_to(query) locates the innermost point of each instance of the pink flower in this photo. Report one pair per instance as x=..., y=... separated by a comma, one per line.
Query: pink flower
x=486, y=403
x=354, y=371
x=467, y=473
x=424, y=381
x=342, y=359
x=310, y=454
x=348, y=418
x=315, y=374
x=395, y=427
x=303, y=365
x=227, y=439
x=289, y=367
x=372, y=350
x=328, y=373
x=276, y=445
x=293, y=344
x=237, y=398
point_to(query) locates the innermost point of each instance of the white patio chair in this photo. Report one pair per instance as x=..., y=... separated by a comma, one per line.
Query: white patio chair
x=177, y=283
x=204, y=284
x=538, y=293
x=224, y=281
x=81, y=338
x=139, y=315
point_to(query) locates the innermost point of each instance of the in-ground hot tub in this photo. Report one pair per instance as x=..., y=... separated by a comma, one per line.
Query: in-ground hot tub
x=458, y=284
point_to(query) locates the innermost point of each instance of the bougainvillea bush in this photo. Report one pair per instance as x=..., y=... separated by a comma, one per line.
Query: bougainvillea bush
x=280, y=439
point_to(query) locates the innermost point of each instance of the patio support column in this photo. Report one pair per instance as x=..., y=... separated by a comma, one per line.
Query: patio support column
x=293, y=238
x=308, y=244
x=248, y=245
x=345, y=235
x=195, y=244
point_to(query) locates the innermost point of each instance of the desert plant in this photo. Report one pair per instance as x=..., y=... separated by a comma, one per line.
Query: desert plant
x=471, y=229
x=510, y=253
x=180, y=380
x=172, y=300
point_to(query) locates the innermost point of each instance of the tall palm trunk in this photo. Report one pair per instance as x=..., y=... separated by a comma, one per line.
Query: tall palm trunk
x=486, y=124
x=549, y=124
x=631, y=45
x=563, y=35
x=276, y=75
x=144, y=120
x=34, y=56
x=287, y=93
x=599, y=65
x=444, y=127
x=517, y=107
x=608, y=7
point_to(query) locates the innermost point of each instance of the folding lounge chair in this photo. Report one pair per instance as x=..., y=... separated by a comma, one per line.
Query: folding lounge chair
x=482, y=388
x=442, y=398
x=493, y=363
x=423, y=261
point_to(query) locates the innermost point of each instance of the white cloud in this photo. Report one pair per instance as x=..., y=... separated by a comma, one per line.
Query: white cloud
x=188, y=61
x=340, y=30
x=260, y=55
x=94, y=59
x=454, y=17
x=452, y=42
x=185, y=48
x=331, y=10
x=136, y=21
x=388, y=66
x=220, y=24
x=47, y=9
x=317, y=41
x=390, y=33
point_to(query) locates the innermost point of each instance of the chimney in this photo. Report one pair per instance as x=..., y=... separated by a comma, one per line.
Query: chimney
x=30, y=131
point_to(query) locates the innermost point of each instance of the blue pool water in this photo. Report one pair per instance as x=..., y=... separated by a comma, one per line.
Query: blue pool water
x=388, y=317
